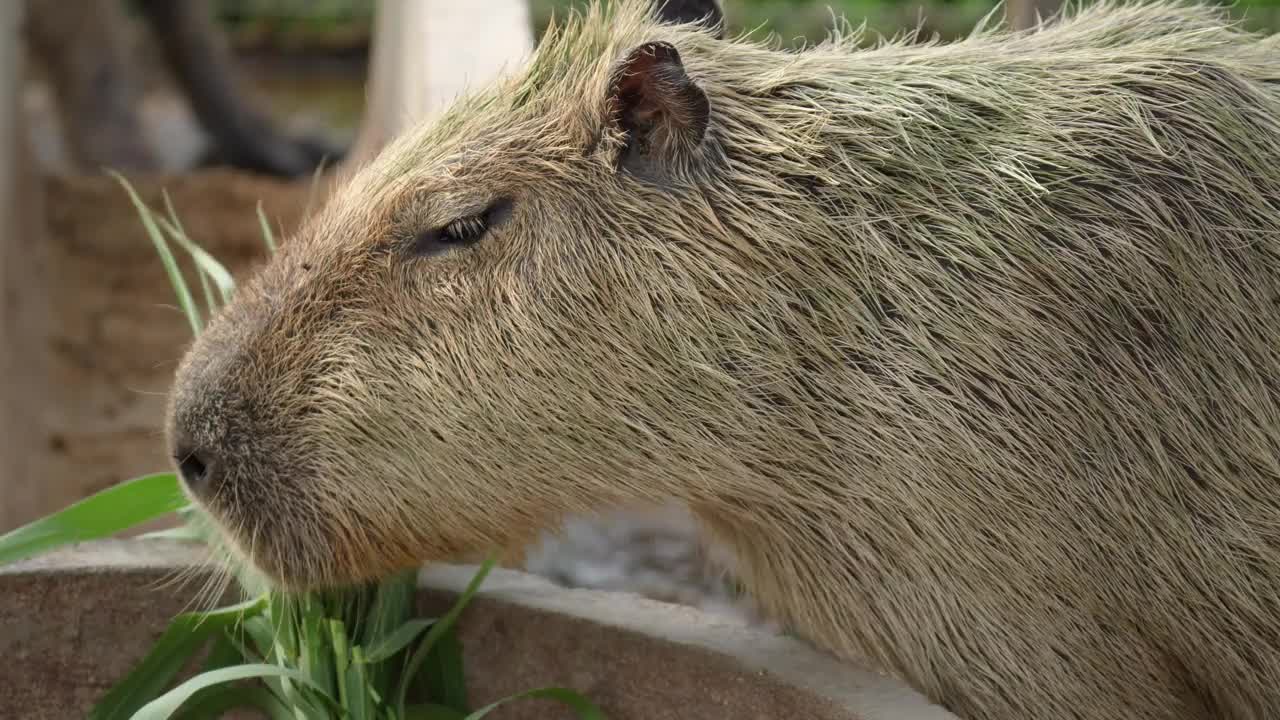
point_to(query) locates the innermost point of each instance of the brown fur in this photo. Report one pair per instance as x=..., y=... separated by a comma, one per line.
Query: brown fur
x=969, y=352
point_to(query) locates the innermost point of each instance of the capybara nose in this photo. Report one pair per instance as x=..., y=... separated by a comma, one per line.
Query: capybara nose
x=196, y=467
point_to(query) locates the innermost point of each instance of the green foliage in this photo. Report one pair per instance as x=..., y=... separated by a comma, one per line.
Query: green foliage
x=186, y=635
x=101, y=515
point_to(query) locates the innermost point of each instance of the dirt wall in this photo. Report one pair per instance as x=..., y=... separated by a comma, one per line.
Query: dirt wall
x=93, y=330
x=17, y=207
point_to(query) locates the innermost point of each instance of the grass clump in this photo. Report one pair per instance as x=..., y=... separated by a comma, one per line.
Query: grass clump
x=353, y=654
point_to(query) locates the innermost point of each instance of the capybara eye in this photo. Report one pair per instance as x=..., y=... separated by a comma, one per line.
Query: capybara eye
x=463, y=231
x=460, y=232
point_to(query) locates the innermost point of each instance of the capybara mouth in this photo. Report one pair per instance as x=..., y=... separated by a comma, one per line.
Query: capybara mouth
x=297, y=539
x=292, y=550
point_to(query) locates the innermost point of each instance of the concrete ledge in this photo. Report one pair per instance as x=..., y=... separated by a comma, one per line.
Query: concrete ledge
x=73, y=621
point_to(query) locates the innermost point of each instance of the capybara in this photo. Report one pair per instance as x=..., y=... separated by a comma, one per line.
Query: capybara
x=970, y=352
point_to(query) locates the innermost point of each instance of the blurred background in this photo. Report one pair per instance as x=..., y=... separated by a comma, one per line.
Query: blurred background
x=308, y=60
x=222, y=106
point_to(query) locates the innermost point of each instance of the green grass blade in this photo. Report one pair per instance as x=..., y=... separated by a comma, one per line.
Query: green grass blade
x=259, y=631
x=392, y=605
x=100, y=515
x=205, y=263
x=442, y=676
x=585, y=709
x=180, y=641
x=184, y=637
x=223, y=653
x=215, y=702
x=166, y=705
x=185, y=301
x=173, y=226
x=211, y=302
x=358, y=703
x=397, y=640
x=285, y=630
x=315, y=185
x=335, y=662
x=323, y=663
x=438, y=628
x=212, y=703
x=287, y=638
x=232, y=614
x=267, y=237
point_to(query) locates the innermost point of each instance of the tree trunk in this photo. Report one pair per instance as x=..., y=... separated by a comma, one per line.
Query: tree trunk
x=425, y=52
x=1022, y=14
x=85, y=47
x=17, y=220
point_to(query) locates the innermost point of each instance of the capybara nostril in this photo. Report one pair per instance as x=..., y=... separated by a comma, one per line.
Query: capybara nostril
x=196, y=471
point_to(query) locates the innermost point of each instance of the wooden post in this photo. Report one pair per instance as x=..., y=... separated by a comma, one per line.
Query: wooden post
x=11, y=51
x=15, y=219
x=1021, y=14
x=426, y=52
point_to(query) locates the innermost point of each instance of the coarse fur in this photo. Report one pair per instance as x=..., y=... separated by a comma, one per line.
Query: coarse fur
x=968, y=351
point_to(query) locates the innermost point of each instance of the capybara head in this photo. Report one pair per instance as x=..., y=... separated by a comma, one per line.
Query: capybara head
x=486, y=312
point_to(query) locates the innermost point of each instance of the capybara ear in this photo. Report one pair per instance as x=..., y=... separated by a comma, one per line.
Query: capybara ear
x=706, y=12
x=662, y=111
